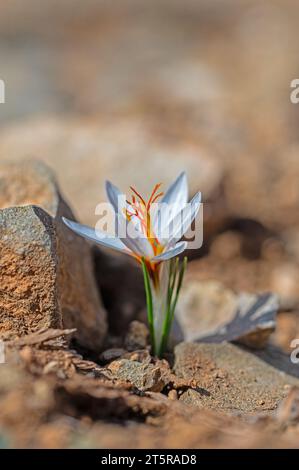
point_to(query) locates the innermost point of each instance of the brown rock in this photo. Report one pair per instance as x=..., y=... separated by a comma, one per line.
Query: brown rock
x=173, y=395
x=285, y=280
x=85, y=154
x=46, y=276
x=229, y=378
x=75, y=410
x=226, y=246
x=287, y=330
x=86, y=413
x=273, y=173
x=144, y=376
x=288, y=411
x=137, y=336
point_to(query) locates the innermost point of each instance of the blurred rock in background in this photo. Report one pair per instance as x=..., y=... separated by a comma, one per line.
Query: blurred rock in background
x=152, y=88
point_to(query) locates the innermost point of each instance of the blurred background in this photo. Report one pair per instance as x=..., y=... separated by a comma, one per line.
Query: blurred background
x=137, y=91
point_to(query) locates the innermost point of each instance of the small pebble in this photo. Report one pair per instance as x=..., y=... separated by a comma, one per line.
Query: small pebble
x=111, y=354
x=172, y=395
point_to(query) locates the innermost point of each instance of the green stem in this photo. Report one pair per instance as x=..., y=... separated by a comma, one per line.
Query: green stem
x=149, y=304
x=175, y=280
x=180, y=282
x=171, y=304
x=175, y=263
x=171, y=283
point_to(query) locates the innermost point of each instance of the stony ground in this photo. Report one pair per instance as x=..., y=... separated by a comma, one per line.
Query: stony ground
x=134, y=92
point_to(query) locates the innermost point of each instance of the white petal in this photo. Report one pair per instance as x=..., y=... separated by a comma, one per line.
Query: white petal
x=175, y=198
x=115, y=197
x=178, y=248
x=183, y=220
x=95, y=235
x=159, y=297
x=119, y=203
x=178, y=191
x=133, y=239
x=137, y=223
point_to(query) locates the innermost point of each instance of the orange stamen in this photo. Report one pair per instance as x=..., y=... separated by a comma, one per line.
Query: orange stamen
x=157, y=197
x=138, y=195
x=152, y=195
x=141, y=209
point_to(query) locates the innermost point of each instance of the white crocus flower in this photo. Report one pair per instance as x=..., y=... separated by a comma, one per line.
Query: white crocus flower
x=150, y=231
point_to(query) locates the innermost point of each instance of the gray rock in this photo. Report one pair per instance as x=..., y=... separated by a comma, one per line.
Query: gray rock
x=46, y=275
x=203, y=307
x=209, y=312
x=111, y=355
x=252, y=322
